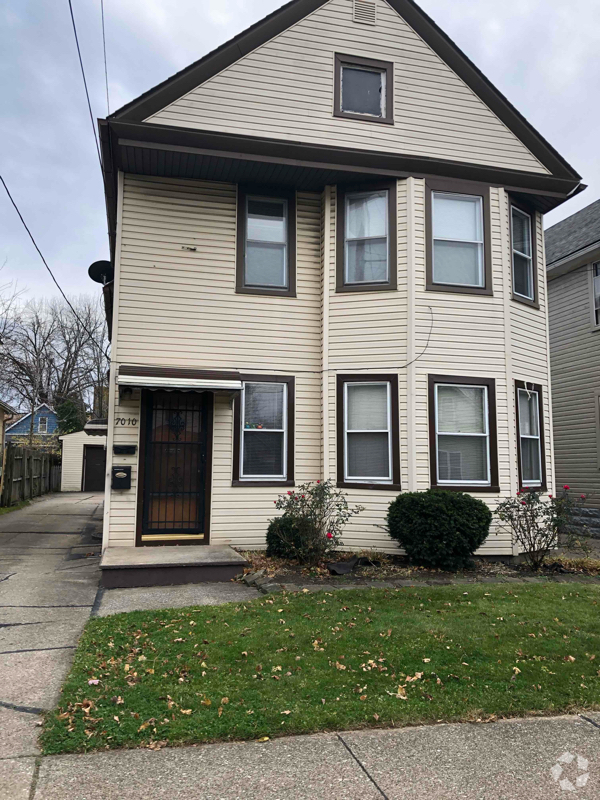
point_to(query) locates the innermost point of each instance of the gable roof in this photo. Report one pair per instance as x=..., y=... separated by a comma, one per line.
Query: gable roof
x=21, y=417
x=5, y=407
x=575, y=233
x=292, y=12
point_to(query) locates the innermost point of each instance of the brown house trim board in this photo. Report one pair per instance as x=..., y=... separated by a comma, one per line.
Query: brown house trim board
x=493, y=431
x=178, y=372
x=366, y=377
x=458, y=187
x=392, y=283
x=291, y=438
x=526, y=209
x=240, y=263
x=219, y=59
x=384, y=66
x=534, y=387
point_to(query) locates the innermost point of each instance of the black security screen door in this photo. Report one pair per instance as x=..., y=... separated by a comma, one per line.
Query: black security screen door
x=175, y=467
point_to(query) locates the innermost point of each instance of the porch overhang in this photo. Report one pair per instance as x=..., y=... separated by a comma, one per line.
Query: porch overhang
x=96, y=427
x=178, y=379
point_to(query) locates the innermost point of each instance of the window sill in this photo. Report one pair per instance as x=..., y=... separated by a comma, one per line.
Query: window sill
x=542, y=488
x=525, y=301
x=473, y=489
x=395, y=487
x=262, y=483
x=366, y=287
x=265, y=291
x=458, y=289
x=363, y=117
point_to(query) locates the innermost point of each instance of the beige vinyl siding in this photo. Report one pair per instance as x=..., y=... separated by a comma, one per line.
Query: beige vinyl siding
x=284, y=90
x=178, y=307
x=575, y=360
x=73, y=444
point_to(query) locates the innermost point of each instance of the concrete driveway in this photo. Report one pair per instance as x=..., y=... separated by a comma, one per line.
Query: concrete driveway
x=48, y=582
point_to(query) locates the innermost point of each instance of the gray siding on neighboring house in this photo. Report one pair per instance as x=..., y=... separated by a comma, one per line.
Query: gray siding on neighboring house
x=575, y=369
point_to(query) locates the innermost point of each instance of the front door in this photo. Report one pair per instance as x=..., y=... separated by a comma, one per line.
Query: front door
x=175, y=468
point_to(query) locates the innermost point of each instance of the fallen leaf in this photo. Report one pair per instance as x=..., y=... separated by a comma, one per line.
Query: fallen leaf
x=187, y=711
x=286, y=712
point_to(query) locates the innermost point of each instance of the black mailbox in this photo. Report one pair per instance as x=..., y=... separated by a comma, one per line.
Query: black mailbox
x=124, y=449
x=121, y=478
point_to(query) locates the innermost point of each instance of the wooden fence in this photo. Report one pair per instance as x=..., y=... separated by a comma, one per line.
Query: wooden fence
x=28, y=473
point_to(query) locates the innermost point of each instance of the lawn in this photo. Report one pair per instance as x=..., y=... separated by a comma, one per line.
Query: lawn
x=301, y=663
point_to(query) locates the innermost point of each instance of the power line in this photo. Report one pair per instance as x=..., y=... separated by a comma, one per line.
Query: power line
x=68, y=302
x=105, y=65
x=87, y=94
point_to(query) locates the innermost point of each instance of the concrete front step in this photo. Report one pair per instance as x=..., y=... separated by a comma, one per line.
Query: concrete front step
x=124, y=567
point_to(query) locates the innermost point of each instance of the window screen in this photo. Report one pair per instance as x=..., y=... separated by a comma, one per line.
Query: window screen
x=363, y=90
x=522, y=259
x=264, y=431
x=266, y=242
x=458, y=239
x=366, y=238
x=462, y=434
x=530, y=442
x=367, y=434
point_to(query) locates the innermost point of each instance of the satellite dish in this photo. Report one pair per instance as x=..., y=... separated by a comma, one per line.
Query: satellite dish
x=101, y=272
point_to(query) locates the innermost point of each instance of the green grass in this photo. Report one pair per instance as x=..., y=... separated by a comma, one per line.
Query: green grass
x=301, y=663
x=16, y=507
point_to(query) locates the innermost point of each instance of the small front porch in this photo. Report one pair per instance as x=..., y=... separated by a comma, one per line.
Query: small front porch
x=124, y=567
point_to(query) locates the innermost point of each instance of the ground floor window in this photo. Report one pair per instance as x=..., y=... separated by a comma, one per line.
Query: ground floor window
x=368, y=430
x=530, y=435
x=462, y=423
x=264, y=426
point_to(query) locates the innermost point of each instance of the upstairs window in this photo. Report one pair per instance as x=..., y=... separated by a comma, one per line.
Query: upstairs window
x=366, y=238
x=266, y=242
x=522, y=255
x=458, y=238
x=43, y=425
x=363, y=89
x=596, y=292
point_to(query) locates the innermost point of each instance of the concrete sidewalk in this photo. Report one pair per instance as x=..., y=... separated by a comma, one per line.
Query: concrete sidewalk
x=509, y=760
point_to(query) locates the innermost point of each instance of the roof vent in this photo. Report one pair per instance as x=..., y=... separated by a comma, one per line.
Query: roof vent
x=365, y=11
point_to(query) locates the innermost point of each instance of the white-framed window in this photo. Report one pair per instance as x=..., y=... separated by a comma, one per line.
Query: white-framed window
x=266, y=245
x=458, y=248
x=264, y=434
x=43, y=425
x=363, y=90
x=596, y=292
x=368, y=432
x=366, y=237
x=530, y=444
x=462, y=434
x=522, y=254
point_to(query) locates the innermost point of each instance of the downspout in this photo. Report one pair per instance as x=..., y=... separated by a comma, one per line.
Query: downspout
x=325, y=330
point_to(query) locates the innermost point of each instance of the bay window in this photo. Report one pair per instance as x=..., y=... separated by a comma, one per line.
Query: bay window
x=523, y=263
x=530, y=435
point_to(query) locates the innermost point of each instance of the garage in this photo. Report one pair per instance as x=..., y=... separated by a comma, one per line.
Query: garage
x=83, y=462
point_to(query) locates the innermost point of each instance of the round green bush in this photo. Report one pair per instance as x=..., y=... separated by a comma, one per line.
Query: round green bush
x=439, y=529
x=282, y=538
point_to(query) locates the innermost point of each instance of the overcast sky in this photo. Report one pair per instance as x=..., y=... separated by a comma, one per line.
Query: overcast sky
x=544, y=55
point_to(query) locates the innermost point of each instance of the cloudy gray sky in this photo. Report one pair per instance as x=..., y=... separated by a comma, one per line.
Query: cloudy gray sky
x=543, y=54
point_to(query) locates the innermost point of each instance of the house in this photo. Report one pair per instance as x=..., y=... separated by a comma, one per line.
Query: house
x=83, y=467
x=573, y=269
x=45, y=428
x=6, y=415
x=326, y=262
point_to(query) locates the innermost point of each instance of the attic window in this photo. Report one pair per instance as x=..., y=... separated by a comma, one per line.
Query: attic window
x=363, y=89
x=365, y=12
x=43, y=425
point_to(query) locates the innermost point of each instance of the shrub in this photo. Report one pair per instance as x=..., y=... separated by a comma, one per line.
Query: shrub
x=311, y=525
x=439, y=529
x=536, y=524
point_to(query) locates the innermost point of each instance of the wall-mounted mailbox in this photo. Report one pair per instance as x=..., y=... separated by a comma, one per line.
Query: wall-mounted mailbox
x=121, y=478
x=124, y=449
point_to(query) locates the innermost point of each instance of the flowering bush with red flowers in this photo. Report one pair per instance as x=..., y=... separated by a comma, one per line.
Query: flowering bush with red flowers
x=311, y=525
x=538, y=524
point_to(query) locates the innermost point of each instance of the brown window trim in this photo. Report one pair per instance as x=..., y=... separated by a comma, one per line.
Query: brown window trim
x=493, y=429
x=534, y=387
x=458, y=187
x=385, y=66
x=535, y=303
x=237, y=431
x=392, y=283
x=395, y=434
x=265, y=191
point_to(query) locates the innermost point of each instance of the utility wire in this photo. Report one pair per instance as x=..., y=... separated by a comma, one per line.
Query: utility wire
x=68, y=302
x=105, y=64
x=87, y=94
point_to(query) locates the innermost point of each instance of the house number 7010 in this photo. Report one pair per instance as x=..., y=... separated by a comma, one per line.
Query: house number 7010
x=126, y=421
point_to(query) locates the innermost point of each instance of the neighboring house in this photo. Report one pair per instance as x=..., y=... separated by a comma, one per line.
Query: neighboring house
x=7, y=414
x=83, y=462
x=327, y=246
x=573, y=268
x=45, y=428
